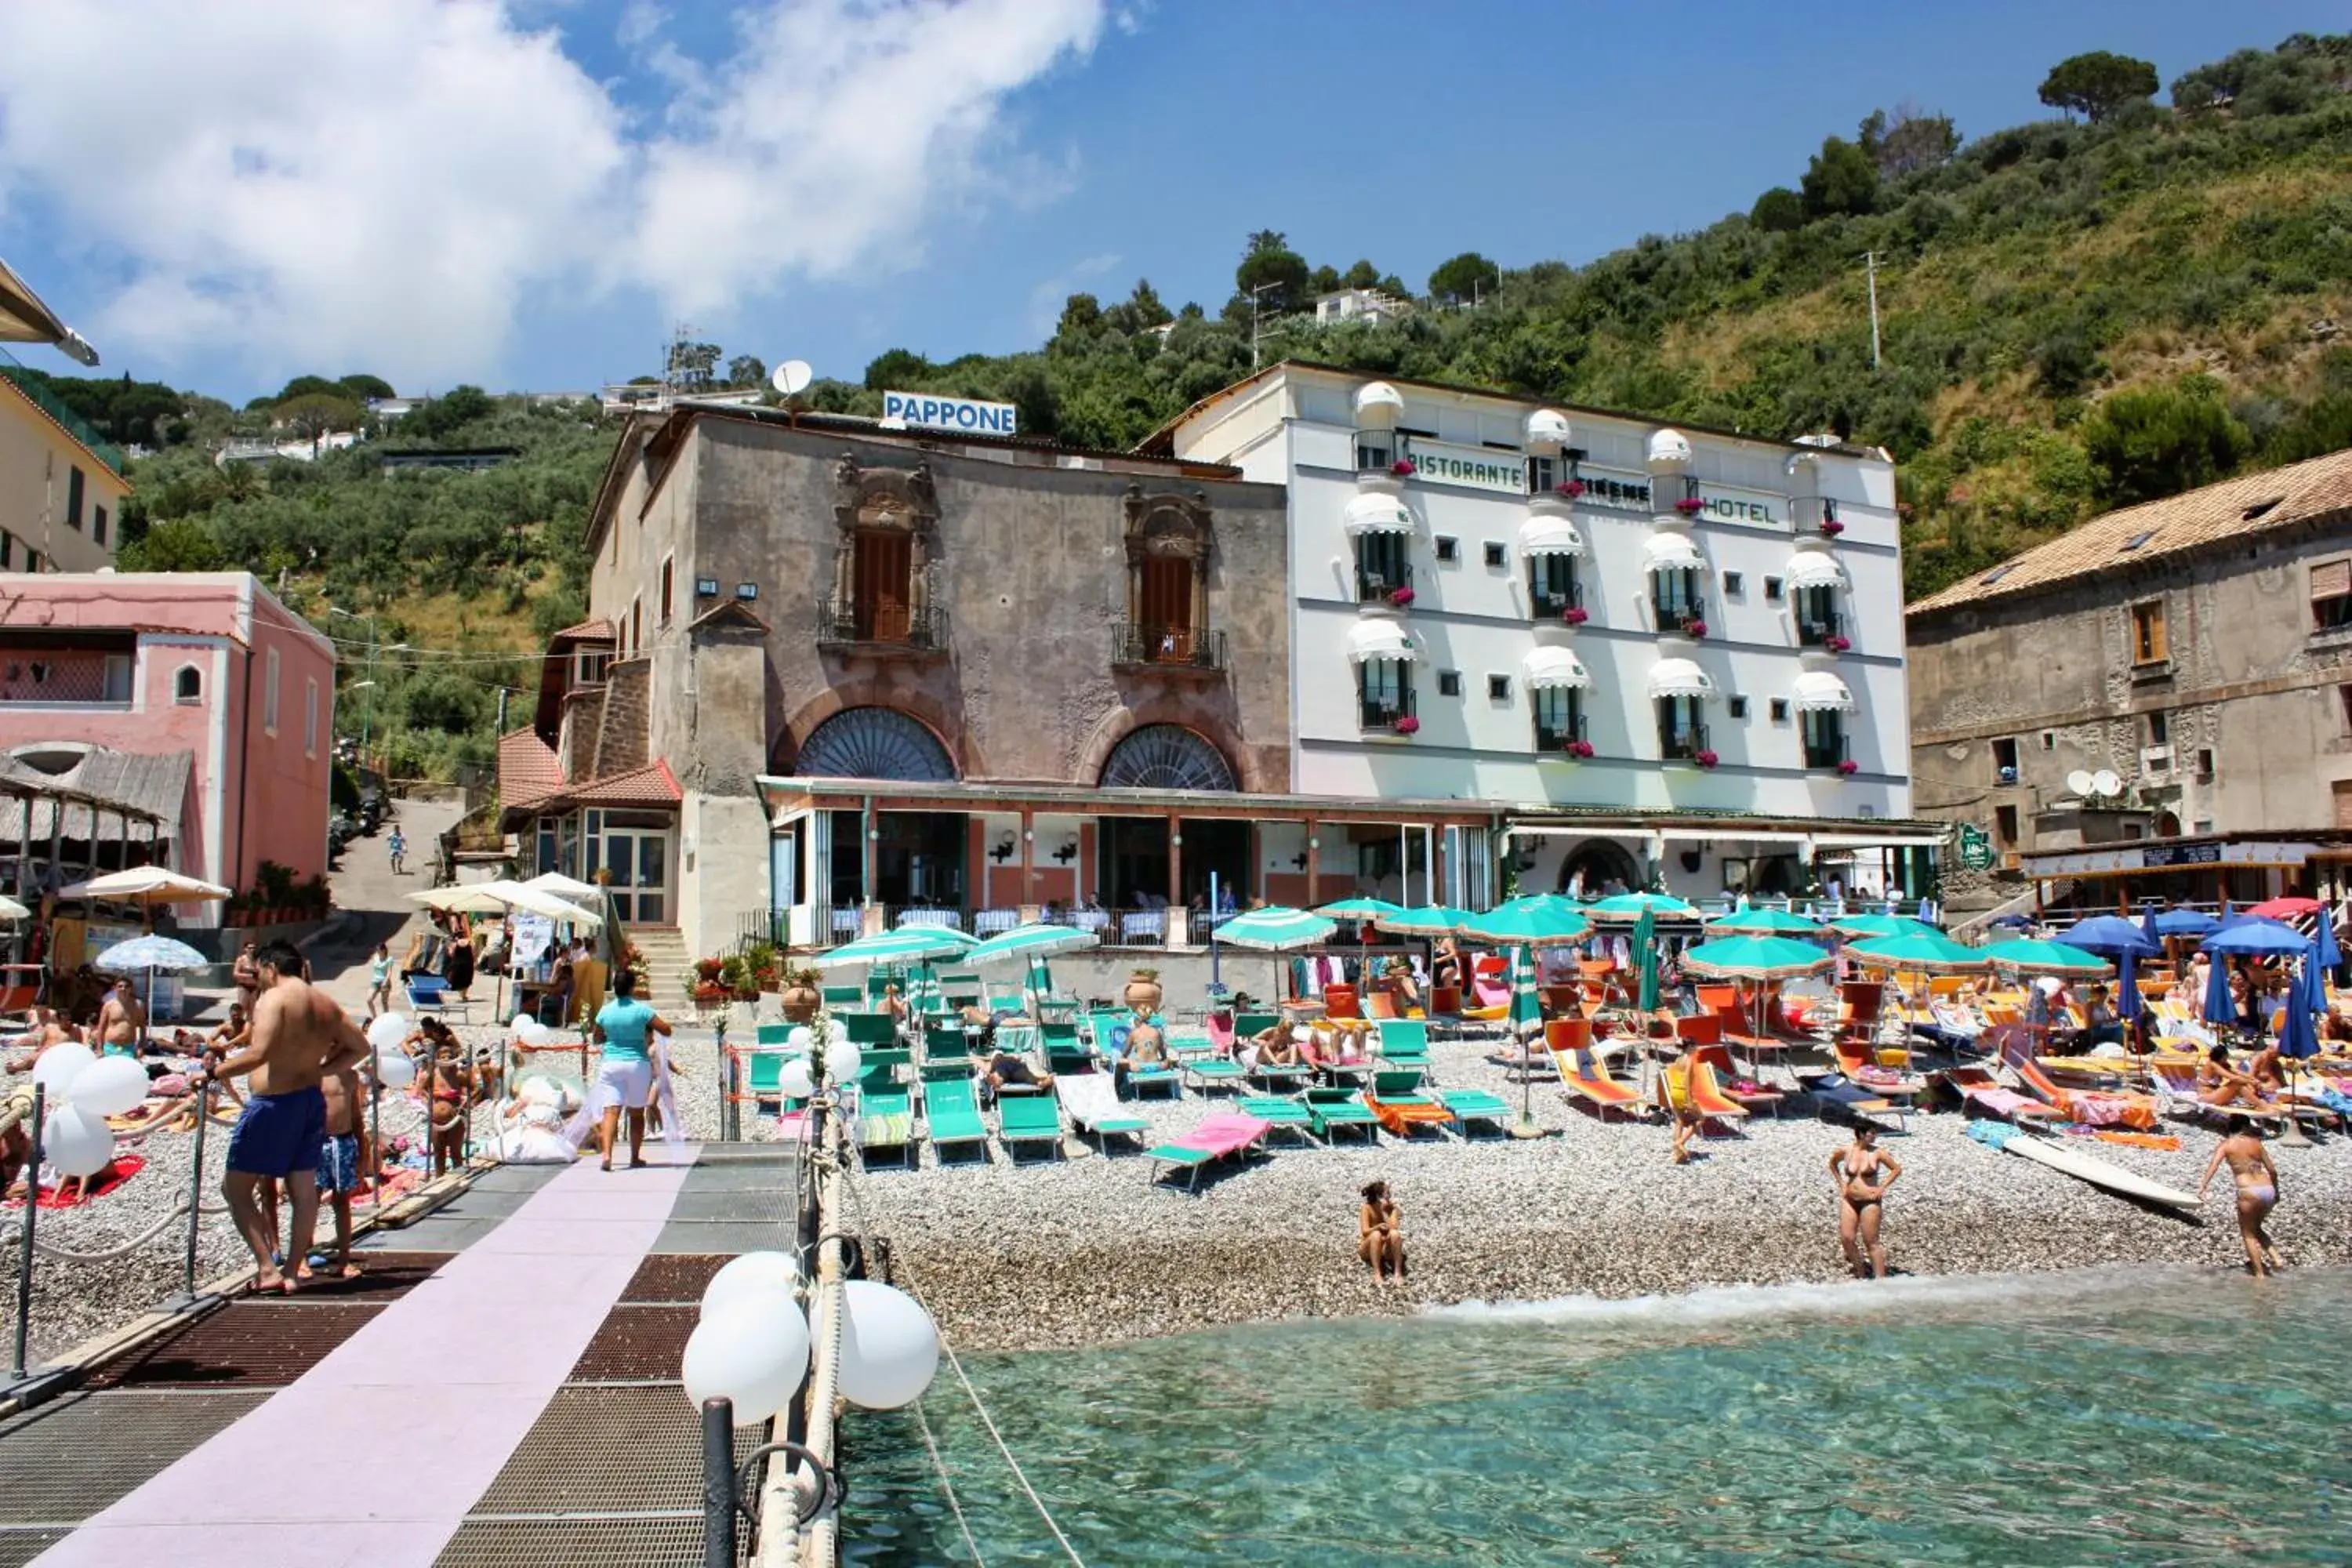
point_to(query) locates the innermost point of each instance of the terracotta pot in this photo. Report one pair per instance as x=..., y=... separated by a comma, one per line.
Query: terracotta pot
x=1143, y=995
x=800, y=1003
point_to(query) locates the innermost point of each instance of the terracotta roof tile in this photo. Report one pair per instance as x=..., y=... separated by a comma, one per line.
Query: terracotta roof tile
x=2178, y=525
x=597, y=630
x=652, y=784
x=529, y=768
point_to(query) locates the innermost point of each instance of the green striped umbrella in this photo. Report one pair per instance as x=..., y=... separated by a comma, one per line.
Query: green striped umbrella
x=1529, y=922
x=1035, y=944
x=1527, y=1004
x=1276, y=928
x=2045, y=958
x=1934, y=954
x=1755, y=958
x=905, y=945
x=1764, y=922
x=1645, y=943
x=1633, y=906
x=1425, y=920
x=1880, y=926
x=1359, y=910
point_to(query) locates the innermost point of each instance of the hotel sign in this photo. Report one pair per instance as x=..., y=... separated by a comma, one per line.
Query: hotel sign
x=937, y=412
x=1500, y=472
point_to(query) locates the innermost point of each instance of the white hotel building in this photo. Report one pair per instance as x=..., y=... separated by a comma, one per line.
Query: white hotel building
x=1666, y=655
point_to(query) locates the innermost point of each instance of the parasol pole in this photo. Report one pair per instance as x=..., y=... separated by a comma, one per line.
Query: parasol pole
x=1213, y=976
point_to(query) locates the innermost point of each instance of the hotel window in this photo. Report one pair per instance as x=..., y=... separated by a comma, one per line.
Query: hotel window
x=1682, y=732
x=1384, y=691
x=1824, y=733
x=668, y=586
x=1552, y=587
x=1734, y=583
x=1381, y=568
x=1675, y=596
x=882, y=584
x=187, y=684
x=1499, y=688
x=1540, y=471
x=1734, y=707
x=1777, y=709
x=74, y=485
x=1449, y=683
x=1496, y=556
x=309, y=718
x=269, y=691
x=1449, y=550
x=2004, y=826
x=98, y=525
x=2147, y=632
x=1376, y=449
x=1560, y=717
x=2331, y=594
x=1772, y=590
x=1816, y=613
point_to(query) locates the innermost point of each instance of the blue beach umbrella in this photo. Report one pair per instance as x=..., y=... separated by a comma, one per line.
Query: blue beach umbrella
x=150, y=953
x=2331, y=956
x=2110, y=934
x=2299, y=1039
x=2186, y=922
x=2258, y=938
x=2220, y=1007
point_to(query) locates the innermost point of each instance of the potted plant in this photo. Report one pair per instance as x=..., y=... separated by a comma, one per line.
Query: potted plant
x=1572, y=488
x=1693, y=626
x=1408, y=725
x=1579, y=749
x=1574, y=616
x=1849, y=767
x=1836, y=643
x=1707, y=758
x=1400, y=598
x=1690, y=506
x=1832, y=526
x=1402, y=468
x=1143, y=995
x=313, y=896
x=801, y=997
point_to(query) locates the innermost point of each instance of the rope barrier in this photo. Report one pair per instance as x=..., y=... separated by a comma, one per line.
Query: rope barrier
x=947, y=1488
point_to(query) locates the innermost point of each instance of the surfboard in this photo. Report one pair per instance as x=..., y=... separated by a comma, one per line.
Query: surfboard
x=2082, y=1167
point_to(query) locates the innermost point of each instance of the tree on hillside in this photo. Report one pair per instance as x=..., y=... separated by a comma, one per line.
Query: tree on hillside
x=444, y=415
x=1270, y=264
x=1778, y=211
x=363, y=387
x=746, y=369
x=2097, y=84
x=1139, y=312
x=1909, y=142
x=2297, y=77
x=2155, y=441
x=1081, y=316
x=307, y=387
x=314, y=416
x=176, y=544
x=1362, y=275
x=1839, y=180
x=1466, y=277
x=895, y=370
x=1323, y=281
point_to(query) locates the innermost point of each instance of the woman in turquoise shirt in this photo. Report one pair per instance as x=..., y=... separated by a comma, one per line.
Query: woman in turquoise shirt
x=625, y=1028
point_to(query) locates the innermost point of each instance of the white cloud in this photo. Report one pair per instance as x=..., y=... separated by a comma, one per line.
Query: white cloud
x=385, y=185
x=1046, y=299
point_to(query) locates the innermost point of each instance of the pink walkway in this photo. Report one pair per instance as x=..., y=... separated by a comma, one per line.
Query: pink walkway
x=375, y=1454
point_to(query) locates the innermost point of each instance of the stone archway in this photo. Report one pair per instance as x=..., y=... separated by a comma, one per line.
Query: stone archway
x=1600, y=861
x=1122, y=722
x=1166, y=756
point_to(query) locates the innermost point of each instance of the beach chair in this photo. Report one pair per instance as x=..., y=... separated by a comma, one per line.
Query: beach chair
x=1028, y=1118
x=1856, y=1060
x=886, y=1116
x=1280, y=1113
x=2092, y=1109
x=1470, y=1105
x=951, y=1109
x=1334, y=1106
x=1094, y=1108
x=1835, y=1095
x=431, y=993
x=1395, y=1096
x=867, y=1030
x=1748, y=1095
x=1586, y=1080
x=772, y=1034
x=1404, y=1045
x=2182, y=1095
x=1209, y=1071
x=1339, y=1002
x=1981, y=1092
x=1690, y=1083
x=841, y=998
x=1226, y=1136
x=1154, y=1079
x=1248, y=1024
x=1065, y=1052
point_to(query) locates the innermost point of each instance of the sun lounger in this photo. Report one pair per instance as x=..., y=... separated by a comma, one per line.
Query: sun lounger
x=1470, y=1105
x=430, y=993
x=1396, y=1098
x=886, y=1118
x=1586, y=1077
x=2177, y=1086
x=1208, y=1072
x=2092, y=1110
x=1748, y=1095
x=1834, y=1089
x=1280, y=1113
x=1708, y=1097
x=951, y=1107
x=1226, y=1136
x=1404, y=1045
x=837, y=997
x=1094, y=1108
x=1979, y=1091
x=1330, y=1106
x=1029, y=1118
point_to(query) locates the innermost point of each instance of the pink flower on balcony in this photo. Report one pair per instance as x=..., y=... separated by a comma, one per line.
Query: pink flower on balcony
x=1579, y=748
x=1695, y=627
x=1707, y=758
x=1837, y=642
x=1832, y=526
x=1402, y=468
x=1408, y=725
x=1400, y=598
x=1849, y=767
x=1690, y=506
x=1572, y=488
x=1575, y=616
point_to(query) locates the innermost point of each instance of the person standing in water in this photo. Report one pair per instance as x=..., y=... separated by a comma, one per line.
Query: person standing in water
x=1863, y=1173
x=1380, y=1235
x=2258, y=1192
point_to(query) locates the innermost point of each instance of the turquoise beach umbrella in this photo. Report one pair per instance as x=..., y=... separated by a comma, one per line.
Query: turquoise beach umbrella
x=2032, y=957
x=1526, y=1016
x=1872, y=927
x=1764, y=922
x=905, y=945
x=1633, y=906
x=1030, y=942
x=1756, y=958
x=1359, y=910
x=1424, y=920
x=1276, y=928
x=1645, y=944
x=1934, y=954
x=1528, y=923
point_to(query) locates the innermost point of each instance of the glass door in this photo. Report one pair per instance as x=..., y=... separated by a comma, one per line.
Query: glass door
x=638, y=859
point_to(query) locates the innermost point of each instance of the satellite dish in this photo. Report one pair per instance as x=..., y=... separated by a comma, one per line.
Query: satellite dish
x=2107, y=782
x=2079, y=781
x=793, y=376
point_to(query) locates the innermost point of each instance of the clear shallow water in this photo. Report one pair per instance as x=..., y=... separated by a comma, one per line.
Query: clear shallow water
x=2141, y=1418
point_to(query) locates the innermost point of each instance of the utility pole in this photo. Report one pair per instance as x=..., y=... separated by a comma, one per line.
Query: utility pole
x=1870, y=270
x=502, y=709
x=1257, y=318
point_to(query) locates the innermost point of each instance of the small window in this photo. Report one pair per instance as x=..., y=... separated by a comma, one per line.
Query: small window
x=2204, y=769
x=2159, y=728
x=1780, y=710
x=7, y=551
x=1496, y=555
x=188, y=684
x=1449, y=550
x=1449, y=683
x=1540, y=471
x=668, y=586
x=1734, y=583
x=2147, y=633
x=98, y=525
x=309, y=718
x=1498, y=687
x=636, y=640
x=117, y=678
x=1772, y=590
x=1737, y=707
x=2049, y=740
x=2344, y=695
x=269, y=691
x=74, y=483
x=2331, y=594
x=2004, y=826
x=2004, y=762
x=32, y=560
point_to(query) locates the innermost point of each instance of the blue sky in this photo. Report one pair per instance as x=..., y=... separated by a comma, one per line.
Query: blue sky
x=449, y=195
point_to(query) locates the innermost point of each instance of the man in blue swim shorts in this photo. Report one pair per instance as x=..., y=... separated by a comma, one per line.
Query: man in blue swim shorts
x=299, y=1037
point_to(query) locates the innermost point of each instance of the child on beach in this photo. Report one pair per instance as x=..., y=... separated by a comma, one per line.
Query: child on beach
x=2258, y=1192
x=1380, y=1234
x=379, y=980
x=339, y=1169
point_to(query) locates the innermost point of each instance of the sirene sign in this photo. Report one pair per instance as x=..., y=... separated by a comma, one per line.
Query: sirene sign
x=938, y=413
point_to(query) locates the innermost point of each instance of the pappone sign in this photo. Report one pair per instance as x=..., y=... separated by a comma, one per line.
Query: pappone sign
x=936, y=412
x=1506, y=473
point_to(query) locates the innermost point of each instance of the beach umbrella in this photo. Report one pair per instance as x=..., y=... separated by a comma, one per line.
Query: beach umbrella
x=2185, y=922
x=2031, y=957
x=1276, y=928
x=2257, y=938
x=2287, y=908
x=2109, y=934
x=1424, y=920
x=905, y=944
x=1880, y=927
x=148, y=886
x=2220, y=1007
x=1035, y=944
x=1633, y=906
x=1645, y=944
x=1359, y=910
x=2012, y=922
x=10, y=910
x=1933, y=953
x=563, y=886
x=2331, y=956
x=152, y=953
x=1757, y=958
x=2299, y=1039
x=2311, y=982
x=1764, y=922
x=1542, y=921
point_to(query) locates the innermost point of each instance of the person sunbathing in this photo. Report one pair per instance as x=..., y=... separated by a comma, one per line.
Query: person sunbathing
x=1380, y=1235
x=1007, y=1070
x=1402, y=985
x=1276, y=1048
x=42, y=1029
x=2219, y=1083
x=1343, y=1047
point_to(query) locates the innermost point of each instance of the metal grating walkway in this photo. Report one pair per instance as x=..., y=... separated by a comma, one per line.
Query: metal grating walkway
x=61, y=1462
x=637, y=1344
x=246, y=1344
x=675, y=1277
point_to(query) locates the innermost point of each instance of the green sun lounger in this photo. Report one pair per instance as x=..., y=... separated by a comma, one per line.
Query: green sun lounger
x=885, y=1120
x=1470, y=1105
x=1284, y=1114
x=1213, y=1072
x=951, y=1107
x=1404, y=1043
x=1330, y=1106
x=773, y=1034
x=1029, y=1118
x=866, y=1028
x=1248, y=1024
x=837, y=997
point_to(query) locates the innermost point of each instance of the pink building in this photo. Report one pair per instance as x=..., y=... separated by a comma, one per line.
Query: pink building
x=153, y=668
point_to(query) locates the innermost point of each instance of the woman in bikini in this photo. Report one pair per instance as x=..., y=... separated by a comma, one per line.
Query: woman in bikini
x=1863, y=1173
x=2258, y=1192
x=1380, y=1235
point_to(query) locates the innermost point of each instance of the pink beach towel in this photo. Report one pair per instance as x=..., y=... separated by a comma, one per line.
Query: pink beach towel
x=1227, y=1133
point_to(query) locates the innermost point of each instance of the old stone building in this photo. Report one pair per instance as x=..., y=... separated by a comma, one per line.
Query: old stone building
x=2157, y=704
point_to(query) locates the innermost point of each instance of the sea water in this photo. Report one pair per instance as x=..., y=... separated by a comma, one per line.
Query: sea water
x=2118, y=1416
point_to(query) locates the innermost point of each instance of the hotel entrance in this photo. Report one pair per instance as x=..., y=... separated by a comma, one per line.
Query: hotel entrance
x=919, y=859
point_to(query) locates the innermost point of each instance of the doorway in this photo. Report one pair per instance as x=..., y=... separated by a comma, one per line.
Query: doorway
x=884, y=568
x=634, y=854
x=1225, y=846
x=1131, y=862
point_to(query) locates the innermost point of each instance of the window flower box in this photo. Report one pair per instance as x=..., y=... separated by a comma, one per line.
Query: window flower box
x=1402, y=468
x=1848, y=768
x=1575, y=614
x=1408, y=725
x=1579, y=749
x=1690, y=506
x=1572, y=488
x=1837, y=642
x=1832, y=528
x=1400, y=597
x=1706, y=759
x=1694, y=628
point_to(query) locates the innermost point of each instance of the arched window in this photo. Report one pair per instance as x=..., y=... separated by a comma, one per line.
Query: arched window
x=875, y=743
x=188, y=684
x=1166, y=756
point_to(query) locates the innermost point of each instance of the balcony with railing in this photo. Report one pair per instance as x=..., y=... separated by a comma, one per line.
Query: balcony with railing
x=1549, y=599
x=1822, y=629
x=1560, y=732
x=1173, y=649
x=1827, y=752
x=1816, y=515
x=881, y=628
x=1379, y=451
x=1383, y=583
x=1390, y=709
x=1685, y=613
x=46, y=673
x=24, y=380
x=1683, y=743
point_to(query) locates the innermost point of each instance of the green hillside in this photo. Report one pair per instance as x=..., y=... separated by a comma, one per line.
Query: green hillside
x=2074, y=314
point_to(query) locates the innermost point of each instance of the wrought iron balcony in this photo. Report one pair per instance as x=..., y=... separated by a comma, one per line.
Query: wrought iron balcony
x=852, y=623
x=1686, y=614
x=1827, y=754
x=1822, y=629
x=1386, y=583
x=1387, y=711
x=1682, y=742
x=1134, y=646
x=1549, y=601
x=1559, y=736
x=1816, y=515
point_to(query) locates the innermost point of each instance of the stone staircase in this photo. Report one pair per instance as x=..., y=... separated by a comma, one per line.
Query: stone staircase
x=667, y=963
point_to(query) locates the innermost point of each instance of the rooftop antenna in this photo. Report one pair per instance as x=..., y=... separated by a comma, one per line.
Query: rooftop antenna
x=792, y=379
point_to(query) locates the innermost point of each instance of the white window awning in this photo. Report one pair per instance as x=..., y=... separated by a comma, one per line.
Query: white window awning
x=1379, y=638
x=1544, y=534
x=1815, y=569
x=1819, y=691
x=1680, y=677
x=1374, y=512
x=1555, y=668
x=1671, y=553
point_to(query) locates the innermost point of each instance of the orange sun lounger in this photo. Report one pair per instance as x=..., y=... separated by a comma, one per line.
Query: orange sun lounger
x=2135, y=1111
x=1586, y=1077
